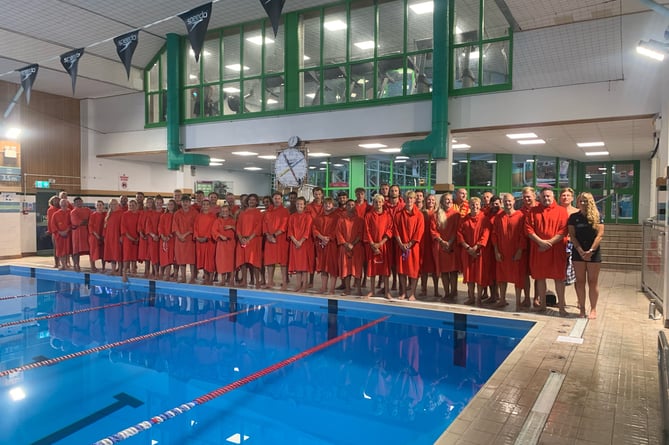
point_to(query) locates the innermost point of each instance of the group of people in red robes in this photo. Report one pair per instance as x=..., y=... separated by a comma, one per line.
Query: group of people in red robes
x=486, y=239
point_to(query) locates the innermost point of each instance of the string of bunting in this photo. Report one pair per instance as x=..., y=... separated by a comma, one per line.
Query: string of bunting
x=196, y=21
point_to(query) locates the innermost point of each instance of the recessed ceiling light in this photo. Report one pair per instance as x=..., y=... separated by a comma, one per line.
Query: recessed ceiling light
x=215, y=164
x=521, y=136
x=455, y=141
x=590, y=144
x=346, y=159
x=324, y=162
x=236, y=67
x=400, y=161
x=231, y=90
x=492, y=162
x=401, y=157
x=422, y=8
x=367, y=44
x=463, y=161
x=372, y=145
x=192, y=77
x=319, y=155
x=306, y=57
x=321, y=168
x=529, y=160
x=338, y=165
x=334, y=25
x=460, y=146
x=390, y=150
x=603, y=169
x=270, y=157
x=312, y=167
x=258, y=40
x=252, y=169
x=310, y=95
x=272, y=101
x=244, y=153
x=596, y=153
x=216, y=160
x=531, y=141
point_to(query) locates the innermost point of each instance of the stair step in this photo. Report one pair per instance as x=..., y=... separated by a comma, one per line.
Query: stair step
x=620, y=265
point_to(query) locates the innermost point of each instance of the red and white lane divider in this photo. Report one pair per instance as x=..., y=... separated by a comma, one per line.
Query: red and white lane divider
x=169, y=414
x=62, y=358
x=12, y=297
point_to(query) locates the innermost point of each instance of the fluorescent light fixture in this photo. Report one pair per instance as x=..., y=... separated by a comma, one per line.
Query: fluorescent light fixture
x=252, y=169
x=492, y=162
x=310, y=95
x=324, y=162
x=17, y=394
x=422, y=8
x=431, y=161
x=372, y=145
x=400, y=161
x=653, y=49
x=515, y=136
x=216, y=160
x=237, y=67
x=305, y=57
x=346, y=159
x=602, y=169
x=215, y=164
x=272, y=101
x=319, y=155
x=232, y=90
x=312, y=167
x=367, y=44
x=334, y=25
x=338, y=165
x=390, y=150
x=529, y=160
x=258, y=40
x=268, y=157
x=13, y=133
x=321, y=168
x=590, y=144
x=596, y=153
x=531, y=141
x=245, y=153
x=460, y=146
x=237, y=438
x=401, y=157
x=463, y=161
x=455, y=141
x=192, y=77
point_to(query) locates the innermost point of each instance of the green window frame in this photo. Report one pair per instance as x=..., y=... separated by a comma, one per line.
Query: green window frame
x=481, y=48
x=155, y=90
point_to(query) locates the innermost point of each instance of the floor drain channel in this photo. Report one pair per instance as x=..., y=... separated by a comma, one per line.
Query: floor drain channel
x=534, y=424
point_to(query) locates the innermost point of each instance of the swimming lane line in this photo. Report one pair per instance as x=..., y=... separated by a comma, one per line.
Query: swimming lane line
x=147, y=424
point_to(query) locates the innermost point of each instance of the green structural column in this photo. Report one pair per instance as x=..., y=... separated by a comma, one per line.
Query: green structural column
x=504, y=176
x=436, y=143
x=175, y=157
x=291, y=62
x=357, y=174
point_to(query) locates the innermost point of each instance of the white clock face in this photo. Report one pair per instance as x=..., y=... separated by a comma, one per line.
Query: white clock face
x=293, y=141
x=290, y=167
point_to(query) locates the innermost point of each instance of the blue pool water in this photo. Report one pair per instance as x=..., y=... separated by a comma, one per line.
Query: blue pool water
x=395, y=380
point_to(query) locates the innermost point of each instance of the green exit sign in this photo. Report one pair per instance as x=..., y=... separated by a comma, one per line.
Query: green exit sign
x=42, y=184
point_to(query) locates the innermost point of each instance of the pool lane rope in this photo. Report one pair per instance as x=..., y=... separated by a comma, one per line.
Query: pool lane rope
x=62, y=358
x=12, y=297
x=171, y=413
x=66, y=313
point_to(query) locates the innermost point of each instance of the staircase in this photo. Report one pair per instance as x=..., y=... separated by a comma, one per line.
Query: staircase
x=622, y=246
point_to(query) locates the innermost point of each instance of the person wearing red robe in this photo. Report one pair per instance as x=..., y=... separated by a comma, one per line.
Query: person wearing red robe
x=409, y=229
x=378, y=232
x=167, y=241
x=300, y=257
x=213, y=203
x=54, y=206
x=130, y=234
x=529, y=200
x=184, y=245
x=324, y=232
x=113, y=247
x=444, y=232
x=461, y=205
x=143, y=238
x=205, y=249
x=153, y=209
x=62, y=228
x=490, y=294
x=274, y=228
x=234, y=208
x=79, y=217
x=249, y=240
x=95, y=236
x=361, y=209
x=223, y=234
x=394, y=203
x=349, y=233
x=510, y=247
x=546, y=226
x=427, y=263
x=473, y=236
x=315, y=208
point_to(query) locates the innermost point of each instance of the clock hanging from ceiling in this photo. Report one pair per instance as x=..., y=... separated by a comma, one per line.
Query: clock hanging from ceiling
x=291, y=166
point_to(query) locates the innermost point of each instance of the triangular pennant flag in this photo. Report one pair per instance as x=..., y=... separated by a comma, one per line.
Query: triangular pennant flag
x=28, y=75
x=273, y=9
x=70, y=61
x=125, y=48
x=197, y=21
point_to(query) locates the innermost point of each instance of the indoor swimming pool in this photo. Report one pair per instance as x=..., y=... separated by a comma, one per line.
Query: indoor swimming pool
x=88, y=359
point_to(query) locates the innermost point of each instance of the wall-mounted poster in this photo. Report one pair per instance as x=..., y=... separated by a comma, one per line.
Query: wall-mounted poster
x=10, y=162
x=220, y=187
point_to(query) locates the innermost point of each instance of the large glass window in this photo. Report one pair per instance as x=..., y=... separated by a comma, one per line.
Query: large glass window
x=155, y=85
x=481, y=47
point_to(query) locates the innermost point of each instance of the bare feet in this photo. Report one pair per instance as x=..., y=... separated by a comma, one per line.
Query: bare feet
x=401, y=297
x=369, y=295
x=469, y=301
x=388, y=296
x=593, y=314
x=284, y=287
x=412, y=298
x=500, y=304
x=526, y=302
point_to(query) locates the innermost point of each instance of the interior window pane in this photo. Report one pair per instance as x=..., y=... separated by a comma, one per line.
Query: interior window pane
x=274, y=49
x=362, y=30
x=362, y=82
x=231, y=101
x=163, y=70
x=192, y=67
x=566, y=173
x=231, y=60
x=595, y=176
x=377, y=172
x=522, y=173
x=419, y=25
x=211, y=100
x=339, y=172
x=391, y=28
x=390, y=77
x=334, y=35
x=466, y=20
x=252, y=96
x=211, y=58
x=310, y=88
x=460, y=164
x=192, y=103
x=408, y=172
x=419, y=73
x=152, y=78
x=622, y=175
x=466, y=67
x=482, y=170
x=494, y=23
x=310, y=39
x=153, y=107
x=334, y=90
x=546, y=171
x=252, y=44
x=274, y=93
x=496, y=63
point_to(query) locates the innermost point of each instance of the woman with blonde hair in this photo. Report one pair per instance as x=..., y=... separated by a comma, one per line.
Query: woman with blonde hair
x=586, y=231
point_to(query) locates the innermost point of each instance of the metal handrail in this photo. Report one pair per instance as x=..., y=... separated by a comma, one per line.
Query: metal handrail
x=603, y=199
x=663, y=371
